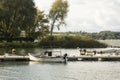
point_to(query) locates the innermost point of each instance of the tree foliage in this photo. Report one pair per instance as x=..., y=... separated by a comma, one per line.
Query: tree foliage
x=41, y=24
x=57, y=14
x=22, y=15
x=15, y=16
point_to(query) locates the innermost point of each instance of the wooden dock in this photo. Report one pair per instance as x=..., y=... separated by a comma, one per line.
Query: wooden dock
x=14, y=58
x=94, y=58
x=70, y=58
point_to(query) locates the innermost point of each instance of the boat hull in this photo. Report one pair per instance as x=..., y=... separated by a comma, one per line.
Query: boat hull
x=48, y=59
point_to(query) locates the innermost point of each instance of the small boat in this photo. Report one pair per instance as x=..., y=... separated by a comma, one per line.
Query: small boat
x=47, y=57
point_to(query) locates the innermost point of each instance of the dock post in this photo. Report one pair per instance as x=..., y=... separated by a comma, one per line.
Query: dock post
x=99, y=59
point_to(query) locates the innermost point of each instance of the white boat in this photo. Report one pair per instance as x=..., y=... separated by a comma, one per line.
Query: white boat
x=48, y=58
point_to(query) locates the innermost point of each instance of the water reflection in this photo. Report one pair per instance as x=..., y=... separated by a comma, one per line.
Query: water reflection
x=57, y=71
x=13, y=63
x=45, y=63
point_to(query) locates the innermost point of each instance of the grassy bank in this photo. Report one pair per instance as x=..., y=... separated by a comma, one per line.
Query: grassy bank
x=71, y=42
x=57, y=41
x=18, y=45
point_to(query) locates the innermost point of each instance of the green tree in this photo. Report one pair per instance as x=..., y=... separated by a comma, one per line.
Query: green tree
x=106, y=35
x=15, y=16
x=57, y=14
x=41, y=24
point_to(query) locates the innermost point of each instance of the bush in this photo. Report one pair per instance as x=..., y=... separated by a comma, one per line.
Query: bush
x=71, y=42
x=17, y=45
x=57, y=41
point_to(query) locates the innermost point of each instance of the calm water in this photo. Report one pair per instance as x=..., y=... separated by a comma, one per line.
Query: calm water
x=111, y=42
x=57, y=71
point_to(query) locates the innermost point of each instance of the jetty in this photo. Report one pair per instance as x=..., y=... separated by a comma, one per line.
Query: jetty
x=70, y=58
x=13, y=58
x=95, y=58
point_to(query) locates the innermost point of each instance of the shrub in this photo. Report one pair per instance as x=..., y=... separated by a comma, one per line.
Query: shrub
x=71, y=42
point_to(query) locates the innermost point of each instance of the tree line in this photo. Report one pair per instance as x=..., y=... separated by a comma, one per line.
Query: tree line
x=100, y=35
x=22, y=15
x=18, y=16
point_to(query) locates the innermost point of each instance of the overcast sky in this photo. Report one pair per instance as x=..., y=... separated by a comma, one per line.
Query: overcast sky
x=88, y=15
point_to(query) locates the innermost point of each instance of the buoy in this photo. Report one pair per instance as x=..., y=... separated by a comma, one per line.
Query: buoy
x=13, y=51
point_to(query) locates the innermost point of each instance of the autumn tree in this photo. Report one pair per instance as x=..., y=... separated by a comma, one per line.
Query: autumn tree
x=57, y=14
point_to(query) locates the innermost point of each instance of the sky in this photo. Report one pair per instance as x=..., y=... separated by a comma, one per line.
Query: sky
x=88, y=15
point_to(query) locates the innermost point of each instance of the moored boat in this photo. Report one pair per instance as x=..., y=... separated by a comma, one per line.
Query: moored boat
x=47, y=57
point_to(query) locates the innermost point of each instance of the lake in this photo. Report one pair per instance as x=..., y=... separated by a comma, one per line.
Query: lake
x=111, y=42
x=60, y=71
x=78, y=70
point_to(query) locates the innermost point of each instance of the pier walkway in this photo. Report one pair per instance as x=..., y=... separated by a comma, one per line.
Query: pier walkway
x=70, y=58
x=94, y=58
x=13, y=58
